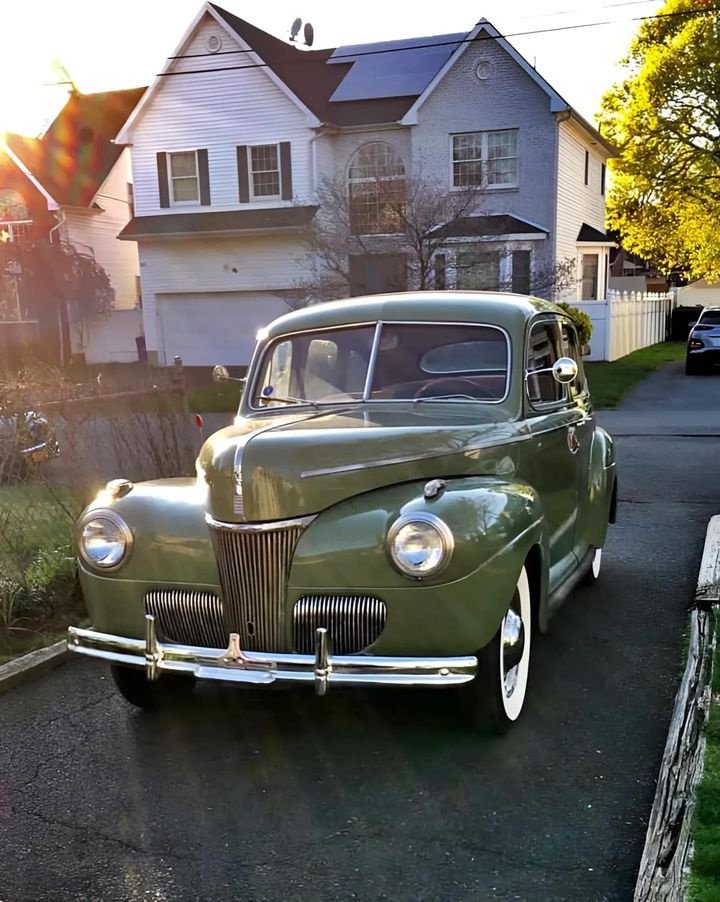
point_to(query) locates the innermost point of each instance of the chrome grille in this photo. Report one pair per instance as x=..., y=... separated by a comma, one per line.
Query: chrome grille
x=352, y=622
x=254, y=563
x=188, y=617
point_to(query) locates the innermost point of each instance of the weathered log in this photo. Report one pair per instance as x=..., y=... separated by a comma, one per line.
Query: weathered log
x=663, y=866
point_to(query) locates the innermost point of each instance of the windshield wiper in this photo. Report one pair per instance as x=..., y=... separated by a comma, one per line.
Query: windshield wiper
x=289, y=400
x=446, y=397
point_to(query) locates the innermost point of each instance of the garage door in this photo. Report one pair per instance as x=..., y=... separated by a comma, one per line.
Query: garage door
x=205, y=329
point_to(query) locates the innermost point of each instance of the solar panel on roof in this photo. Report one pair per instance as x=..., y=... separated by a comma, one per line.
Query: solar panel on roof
x=398, y=72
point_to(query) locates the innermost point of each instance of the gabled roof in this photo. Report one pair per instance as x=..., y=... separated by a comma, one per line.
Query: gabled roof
x=75, y=155
x=590, y=235
x=364, y=84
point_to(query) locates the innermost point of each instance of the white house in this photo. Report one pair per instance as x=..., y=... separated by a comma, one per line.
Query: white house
x=233, y=139
x=74, y=183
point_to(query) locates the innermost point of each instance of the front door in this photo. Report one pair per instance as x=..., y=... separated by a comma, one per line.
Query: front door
x=553, y=417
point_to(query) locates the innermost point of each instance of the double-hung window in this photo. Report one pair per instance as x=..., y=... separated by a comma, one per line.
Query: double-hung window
x=265, y=178
x=485, y=159
x=184, y=177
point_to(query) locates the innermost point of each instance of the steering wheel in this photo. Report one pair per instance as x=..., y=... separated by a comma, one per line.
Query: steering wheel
x=424, y=390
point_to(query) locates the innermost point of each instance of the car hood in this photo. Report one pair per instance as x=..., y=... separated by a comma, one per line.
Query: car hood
x=300, y=464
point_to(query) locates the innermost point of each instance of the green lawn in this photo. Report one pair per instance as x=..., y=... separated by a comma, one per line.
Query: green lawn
x=223, y=397
x=705, y=870
x=610, y=382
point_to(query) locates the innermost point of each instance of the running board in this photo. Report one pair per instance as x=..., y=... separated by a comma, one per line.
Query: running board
x=571, y=583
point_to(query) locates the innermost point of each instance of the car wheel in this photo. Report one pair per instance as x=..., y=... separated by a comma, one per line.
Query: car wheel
x=496, y=696
x=591, y=577
x=150, y=695
x=692, y=368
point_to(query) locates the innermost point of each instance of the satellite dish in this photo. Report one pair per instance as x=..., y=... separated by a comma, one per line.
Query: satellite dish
x=295, y=29
x=309, y=34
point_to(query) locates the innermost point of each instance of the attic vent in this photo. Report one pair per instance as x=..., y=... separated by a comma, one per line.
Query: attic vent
x=214, y=43
x=484, y=69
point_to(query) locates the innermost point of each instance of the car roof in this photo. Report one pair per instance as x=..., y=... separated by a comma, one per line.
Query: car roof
x=510, y=311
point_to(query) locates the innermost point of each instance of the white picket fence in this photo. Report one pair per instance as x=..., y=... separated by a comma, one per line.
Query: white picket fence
x=626, y=322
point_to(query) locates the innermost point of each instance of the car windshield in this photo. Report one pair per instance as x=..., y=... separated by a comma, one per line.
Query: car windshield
x=710, y=319
x=395, y=362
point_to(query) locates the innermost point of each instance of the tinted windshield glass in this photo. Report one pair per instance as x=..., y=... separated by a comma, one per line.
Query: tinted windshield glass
x=710, y=319
x=411, y=362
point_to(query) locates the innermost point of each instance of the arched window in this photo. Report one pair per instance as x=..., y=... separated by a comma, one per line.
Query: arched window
x=12, y=206
x=376, y=184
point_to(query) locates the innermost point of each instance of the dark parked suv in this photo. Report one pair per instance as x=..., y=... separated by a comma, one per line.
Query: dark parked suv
x=703, y=347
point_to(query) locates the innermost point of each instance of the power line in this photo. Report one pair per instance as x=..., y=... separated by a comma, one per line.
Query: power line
x=486, y=37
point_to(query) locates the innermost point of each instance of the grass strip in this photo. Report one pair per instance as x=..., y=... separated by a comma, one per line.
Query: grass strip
x=610, y=382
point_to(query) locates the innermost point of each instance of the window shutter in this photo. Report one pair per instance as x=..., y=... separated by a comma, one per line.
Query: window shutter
x=286, y=171
x=243, y=183
x=204, y=177
x=163, y=180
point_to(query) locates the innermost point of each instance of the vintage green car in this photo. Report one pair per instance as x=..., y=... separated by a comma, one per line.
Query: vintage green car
x=412, y=484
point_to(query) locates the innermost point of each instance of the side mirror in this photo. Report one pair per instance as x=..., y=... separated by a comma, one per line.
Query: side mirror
x=220, y=374
x=565, y=370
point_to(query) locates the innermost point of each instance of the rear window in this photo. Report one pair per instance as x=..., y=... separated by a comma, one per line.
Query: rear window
x=710, y=319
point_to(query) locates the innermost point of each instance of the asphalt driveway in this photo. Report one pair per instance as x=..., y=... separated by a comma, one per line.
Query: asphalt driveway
x=383, y=796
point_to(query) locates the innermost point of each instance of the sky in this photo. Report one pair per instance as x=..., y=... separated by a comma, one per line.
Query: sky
x=107, y=45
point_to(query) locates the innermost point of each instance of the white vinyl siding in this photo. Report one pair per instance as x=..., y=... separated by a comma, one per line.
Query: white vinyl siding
x=217, y=110
x=577, y=203
x=211, y=265
x=97, y=230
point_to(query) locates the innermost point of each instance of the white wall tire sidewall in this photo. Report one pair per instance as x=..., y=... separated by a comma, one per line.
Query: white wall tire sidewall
x=513, y=704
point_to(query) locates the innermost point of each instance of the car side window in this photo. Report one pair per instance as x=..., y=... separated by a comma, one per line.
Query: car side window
x=571, y=348
x=543, y=350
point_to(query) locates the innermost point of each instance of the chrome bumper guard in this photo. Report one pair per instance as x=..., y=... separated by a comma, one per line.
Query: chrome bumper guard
x=237, y=666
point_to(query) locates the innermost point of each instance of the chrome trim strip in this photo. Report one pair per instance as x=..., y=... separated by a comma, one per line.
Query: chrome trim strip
x=410, y=458
x=265, y=526
x=233, y=665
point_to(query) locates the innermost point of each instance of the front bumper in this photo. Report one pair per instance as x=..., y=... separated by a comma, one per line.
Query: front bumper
x=236, y=666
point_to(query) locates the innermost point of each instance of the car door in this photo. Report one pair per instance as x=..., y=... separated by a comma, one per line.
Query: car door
x=553, y=461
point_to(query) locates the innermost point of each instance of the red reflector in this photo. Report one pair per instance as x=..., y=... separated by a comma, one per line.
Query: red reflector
x=199, y=421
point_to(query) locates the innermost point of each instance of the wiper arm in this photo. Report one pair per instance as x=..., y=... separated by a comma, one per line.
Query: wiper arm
x=290, y=400
x=445, y=397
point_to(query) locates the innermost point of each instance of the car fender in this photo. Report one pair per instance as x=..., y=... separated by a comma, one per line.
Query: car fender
x=601, y=488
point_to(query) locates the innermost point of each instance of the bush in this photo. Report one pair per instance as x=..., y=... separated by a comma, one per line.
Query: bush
x=582, y=322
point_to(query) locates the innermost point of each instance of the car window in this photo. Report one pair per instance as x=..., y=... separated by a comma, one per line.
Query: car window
x=571, y=348
x=465, y=357
x=438, y=360
x=543, y=350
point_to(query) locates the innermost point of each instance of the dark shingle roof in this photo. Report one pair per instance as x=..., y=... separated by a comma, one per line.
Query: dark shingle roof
x=588, y=233
x=489, y=227
x=75, y=155
x=231, y=221
x=313, y=81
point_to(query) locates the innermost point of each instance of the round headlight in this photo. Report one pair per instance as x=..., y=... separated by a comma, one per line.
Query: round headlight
x=104, y=540
x=420, y=544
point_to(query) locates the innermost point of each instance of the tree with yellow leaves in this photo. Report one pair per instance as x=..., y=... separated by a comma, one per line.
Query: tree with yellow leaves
x=665, y=120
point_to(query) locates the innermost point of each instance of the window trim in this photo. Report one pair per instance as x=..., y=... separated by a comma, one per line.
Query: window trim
x=260, y=354
x=171, y=192
x=484, y=186
x=541, y=407
x=349, y=182
x=261, y=198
